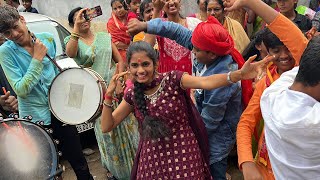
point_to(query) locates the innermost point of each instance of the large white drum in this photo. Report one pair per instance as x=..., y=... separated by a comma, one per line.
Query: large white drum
x=76, y=95
x=26, y=151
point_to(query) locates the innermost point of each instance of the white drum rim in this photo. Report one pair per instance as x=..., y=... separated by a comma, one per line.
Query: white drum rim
x=43, y=130
x=96, y=114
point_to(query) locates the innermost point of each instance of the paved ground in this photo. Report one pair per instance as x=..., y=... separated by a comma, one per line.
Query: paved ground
x=88, y=141
x=99, y=172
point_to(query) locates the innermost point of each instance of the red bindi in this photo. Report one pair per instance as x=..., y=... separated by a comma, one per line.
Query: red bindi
x=139, y=60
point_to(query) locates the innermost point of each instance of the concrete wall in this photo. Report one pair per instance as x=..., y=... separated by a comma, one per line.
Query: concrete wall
x=59, y=9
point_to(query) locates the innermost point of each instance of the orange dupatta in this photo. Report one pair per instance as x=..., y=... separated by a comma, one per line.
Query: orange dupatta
x=118, y=31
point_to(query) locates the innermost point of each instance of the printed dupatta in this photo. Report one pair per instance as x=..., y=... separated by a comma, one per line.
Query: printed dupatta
x=262, y=153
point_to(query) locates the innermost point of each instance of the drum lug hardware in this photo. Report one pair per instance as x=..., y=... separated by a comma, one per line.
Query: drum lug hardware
x=60, y=153
x=56, y=141
x=14, y=115
x=50, y=131
x=29, y=117
x=41, y=123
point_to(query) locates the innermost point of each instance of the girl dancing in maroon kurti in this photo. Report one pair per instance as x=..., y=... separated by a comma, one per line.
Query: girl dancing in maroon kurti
x=173, y=140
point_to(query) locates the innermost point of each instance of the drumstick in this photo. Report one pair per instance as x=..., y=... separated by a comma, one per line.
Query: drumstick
x=4, y=90
x=53, y=61
x=26, y=141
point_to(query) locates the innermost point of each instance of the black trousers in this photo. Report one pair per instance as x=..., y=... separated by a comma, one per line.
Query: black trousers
x=70, y=147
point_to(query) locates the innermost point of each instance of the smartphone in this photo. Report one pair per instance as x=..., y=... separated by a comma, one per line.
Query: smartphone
x=92, y=13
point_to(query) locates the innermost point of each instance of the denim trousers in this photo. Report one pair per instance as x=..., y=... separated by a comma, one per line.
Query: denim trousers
x=218, y=169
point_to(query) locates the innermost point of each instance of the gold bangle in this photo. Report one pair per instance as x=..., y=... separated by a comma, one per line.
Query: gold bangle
x=74, y=39
x=77, y=34
x=74, y=35
x=108, y=105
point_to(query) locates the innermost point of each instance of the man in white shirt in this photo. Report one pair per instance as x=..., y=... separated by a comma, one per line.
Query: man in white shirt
x=291, y=112
x=16, y=4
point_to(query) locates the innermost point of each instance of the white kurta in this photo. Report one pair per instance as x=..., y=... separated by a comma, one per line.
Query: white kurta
x=292, y=130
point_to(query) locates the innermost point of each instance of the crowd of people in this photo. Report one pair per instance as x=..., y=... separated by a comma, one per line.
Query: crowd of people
x=182, y=91
x=25, y=7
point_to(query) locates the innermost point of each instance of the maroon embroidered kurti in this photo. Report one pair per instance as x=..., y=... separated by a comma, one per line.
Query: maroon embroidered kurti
x=178, y=156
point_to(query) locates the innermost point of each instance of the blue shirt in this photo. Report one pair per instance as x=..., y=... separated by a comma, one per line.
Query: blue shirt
x=30, y=78
x=220, y=108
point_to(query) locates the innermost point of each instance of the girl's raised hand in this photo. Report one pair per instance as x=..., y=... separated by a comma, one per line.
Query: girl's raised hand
x=114, y=81
x=252, y=70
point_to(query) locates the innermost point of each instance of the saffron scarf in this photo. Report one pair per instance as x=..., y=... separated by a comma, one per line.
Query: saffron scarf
x=262, y=153
x=118, y=30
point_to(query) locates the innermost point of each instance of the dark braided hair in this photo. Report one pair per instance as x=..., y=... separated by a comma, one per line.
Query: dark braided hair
x=152, y=127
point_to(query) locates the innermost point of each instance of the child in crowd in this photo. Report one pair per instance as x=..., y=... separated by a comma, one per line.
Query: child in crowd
x=28, y=5
x=287, y=8
x=134, y=5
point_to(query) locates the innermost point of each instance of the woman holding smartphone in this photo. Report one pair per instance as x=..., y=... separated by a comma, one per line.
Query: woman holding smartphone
x=97, y=51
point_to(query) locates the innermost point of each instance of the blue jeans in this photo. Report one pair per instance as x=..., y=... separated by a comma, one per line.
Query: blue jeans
x=218, y=169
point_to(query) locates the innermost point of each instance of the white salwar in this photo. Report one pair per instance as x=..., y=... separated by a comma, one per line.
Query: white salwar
x=292, y=130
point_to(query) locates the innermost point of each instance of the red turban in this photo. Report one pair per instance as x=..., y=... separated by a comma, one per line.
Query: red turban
x=212, y=36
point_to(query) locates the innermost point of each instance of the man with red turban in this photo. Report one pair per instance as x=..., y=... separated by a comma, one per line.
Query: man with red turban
x=211, y=36
x=220, y=108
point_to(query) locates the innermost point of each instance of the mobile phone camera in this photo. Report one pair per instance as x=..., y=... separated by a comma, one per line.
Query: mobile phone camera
x=85, y=15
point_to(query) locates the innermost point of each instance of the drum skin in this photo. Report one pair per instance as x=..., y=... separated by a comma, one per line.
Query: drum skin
x=76, y=95
x=26, y=152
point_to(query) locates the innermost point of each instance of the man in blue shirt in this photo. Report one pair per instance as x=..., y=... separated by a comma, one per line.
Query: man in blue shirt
x=220, y=108
x=30, y=74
